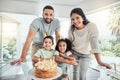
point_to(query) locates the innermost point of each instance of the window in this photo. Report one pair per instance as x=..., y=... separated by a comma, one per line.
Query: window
x=109, y=43
x=12, y=37
x=9, y=33
x=108, y=22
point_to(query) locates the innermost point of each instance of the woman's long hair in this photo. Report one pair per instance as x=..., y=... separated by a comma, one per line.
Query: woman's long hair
x=80, y=12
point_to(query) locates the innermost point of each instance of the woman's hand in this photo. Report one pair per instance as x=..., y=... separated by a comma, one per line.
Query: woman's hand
x=18, y=61
x=97, y=56
x=105, y=65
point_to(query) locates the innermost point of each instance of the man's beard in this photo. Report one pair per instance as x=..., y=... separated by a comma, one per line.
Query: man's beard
x=47, y=21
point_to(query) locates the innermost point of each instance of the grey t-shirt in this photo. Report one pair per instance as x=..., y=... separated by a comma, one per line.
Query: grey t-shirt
x=40, y=26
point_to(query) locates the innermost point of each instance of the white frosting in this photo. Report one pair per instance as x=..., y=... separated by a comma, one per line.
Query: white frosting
x=46, y=64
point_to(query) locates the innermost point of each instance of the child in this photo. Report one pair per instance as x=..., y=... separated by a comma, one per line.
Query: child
x=46, y=52
x=63, y=56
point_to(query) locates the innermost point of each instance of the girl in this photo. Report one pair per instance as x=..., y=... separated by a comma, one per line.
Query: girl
x=63, y=56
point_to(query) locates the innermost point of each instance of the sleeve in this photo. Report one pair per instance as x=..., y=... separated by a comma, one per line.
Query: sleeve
x=35, y=24
x=38, y=53
x=68, y=53
x=93, y=37
x=56, y=53
x=57, y=23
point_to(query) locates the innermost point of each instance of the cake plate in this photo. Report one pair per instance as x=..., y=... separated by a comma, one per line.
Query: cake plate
x=31, y=75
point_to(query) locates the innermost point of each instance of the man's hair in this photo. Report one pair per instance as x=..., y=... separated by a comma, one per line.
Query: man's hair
x=48, y=7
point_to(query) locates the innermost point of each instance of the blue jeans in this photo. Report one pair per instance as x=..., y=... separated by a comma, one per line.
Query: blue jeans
x=64, y=67
x=83, y=60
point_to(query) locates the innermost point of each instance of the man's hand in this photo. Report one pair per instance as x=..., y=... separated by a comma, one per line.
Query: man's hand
x=18, y=61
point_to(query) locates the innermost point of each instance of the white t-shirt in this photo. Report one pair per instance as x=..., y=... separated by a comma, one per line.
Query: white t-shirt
x=67, y=53
x=86, y=39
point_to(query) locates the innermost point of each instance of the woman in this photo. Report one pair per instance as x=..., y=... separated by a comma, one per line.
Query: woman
x=84, y=36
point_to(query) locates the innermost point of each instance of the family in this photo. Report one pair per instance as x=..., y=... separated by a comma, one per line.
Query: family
x=74, y=50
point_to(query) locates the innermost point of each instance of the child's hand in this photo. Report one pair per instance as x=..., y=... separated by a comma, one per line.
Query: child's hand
x=61, y=54
x=53, y=58
x=41, y=59
x=47, y=58
x=73, y=63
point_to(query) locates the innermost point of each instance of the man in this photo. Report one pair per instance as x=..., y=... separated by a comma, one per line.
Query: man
x=39, y=28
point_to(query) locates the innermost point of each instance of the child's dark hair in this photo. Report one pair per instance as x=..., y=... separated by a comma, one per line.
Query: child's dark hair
x=50, y=37
x=67, y=41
